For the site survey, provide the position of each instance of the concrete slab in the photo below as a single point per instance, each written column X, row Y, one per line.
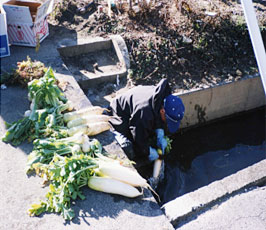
column 94, row 61
column 245, row 210
column 183, row 207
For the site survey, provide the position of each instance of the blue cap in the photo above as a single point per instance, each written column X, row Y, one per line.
column 174, row 112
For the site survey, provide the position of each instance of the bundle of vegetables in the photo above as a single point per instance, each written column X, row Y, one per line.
column 18, row 131
column 67, row 175
column 27, row 71
column 48, row 122
column 89, row 121
column 45, row 116
column 45, row 149
column 44, row 92
column 73, row 162
column 124, row 179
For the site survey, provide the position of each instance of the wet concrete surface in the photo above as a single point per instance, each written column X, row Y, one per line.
column 205, row 154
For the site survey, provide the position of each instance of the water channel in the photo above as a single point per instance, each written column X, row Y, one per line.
column 208, row 153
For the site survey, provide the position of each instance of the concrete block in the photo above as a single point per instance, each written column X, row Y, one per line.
column 96, row 60
column 220, row 101
column 191, row 203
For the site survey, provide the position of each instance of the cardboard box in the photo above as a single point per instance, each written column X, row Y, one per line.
column 27, row 21
column 4, row 47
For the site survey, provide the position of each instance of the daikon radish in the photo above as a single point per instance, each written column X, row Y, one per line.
column 87, row 120
column 83, row 129
column 70, row 106
column 27, row 113
column 157, row 164
column 98, row 127
column 109, row 185
column 125, row 175
column 86, row 146
column 122, row 173
column 78, row 138
column 83, row 112
column 90, row 129
column 157, row 168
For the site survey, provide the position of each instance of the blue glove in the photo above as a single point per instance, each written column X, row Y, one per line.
column 161, row 141
column 153, row 154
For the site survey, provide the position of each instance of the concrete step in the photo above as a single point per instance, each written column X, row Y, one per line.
column 191, row 204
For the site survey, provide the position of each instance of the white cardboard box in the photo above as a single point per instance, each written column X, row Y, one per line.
column 27, row 21
column 4, row 47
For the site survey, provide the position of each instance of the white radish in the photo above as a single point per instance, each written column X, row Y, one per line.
column 125, row 175
column 75, row 149
column 122, row 173
column 87, row 120
column 86, row 146
column 98, row 127
column 27, row 113
column 76, row 138
column 157, row 168
column 70, row 105
column 83, row 129
column 86, row 111
column 109, row 185
column 29, row 97
column 32, row 104
column 90, row 129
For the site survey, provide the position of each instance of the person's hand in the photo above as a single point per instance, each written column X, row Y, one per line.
column 162, row 144
column 153, row 154
column 161, row 141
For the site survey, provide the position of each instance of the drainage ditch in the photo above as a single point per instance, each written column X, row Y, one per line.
column 199, row 155
column 208, row 153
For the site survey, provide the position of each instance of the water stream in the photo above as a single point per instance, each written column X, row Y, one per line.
column 205, row 154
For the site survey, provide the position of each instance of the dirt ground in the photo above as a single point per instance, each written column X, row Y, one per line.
column 195, row 44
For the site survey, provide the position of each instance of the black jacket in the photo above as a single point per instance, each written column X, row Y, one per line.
column 136, row 114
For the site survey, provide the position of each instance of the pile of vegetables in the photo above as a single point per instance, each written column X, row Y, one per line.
column 89, row 121
column 67, row 175
column 64, row 153
column 47, row 105
column 27, row 71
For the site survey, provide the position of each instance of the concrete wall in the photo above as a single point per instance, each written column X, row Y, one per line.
column 224, row 100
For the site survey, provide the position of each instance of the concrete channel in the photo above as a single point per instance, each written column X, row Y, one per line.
column 221, row 101
column 103, row 211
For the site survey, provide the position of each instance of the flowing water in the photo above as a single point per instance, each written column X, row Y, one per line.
column 205, row 154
